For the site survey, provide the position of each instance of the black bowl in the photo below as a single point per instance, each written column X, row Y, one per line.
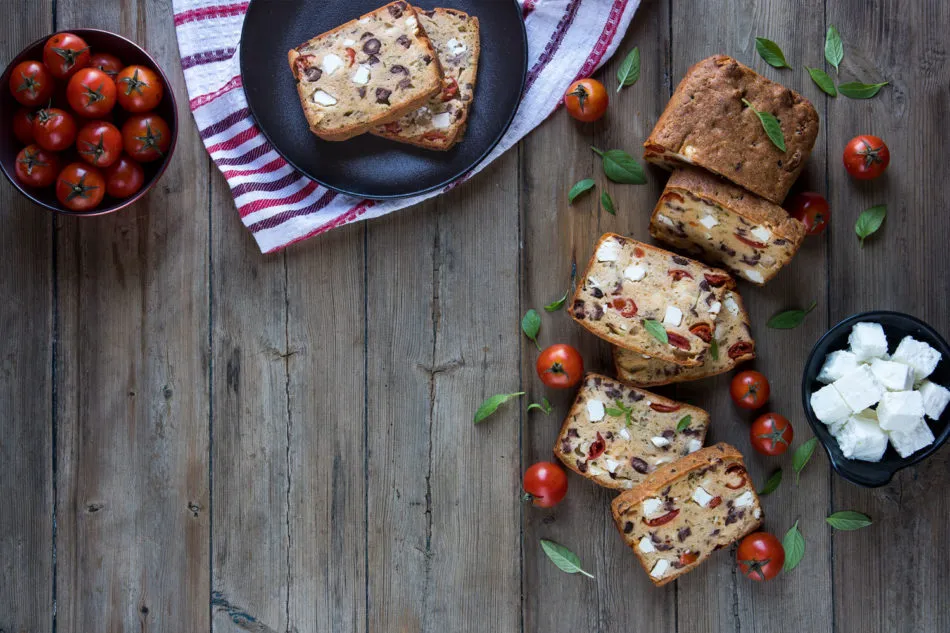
column 896, row 326
column 99, row 41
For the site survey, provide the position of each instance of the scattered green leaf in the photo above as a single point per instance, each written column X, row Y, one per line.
column 607, row 202
column 714, row 349
column 790, row 319
column 858, row 90
column 794, row 545
column 870, row 221
column 621, row 410
column 545, row 406
column 802, row 454
column 531, row 325
column 566, row 560
column 771, row 126
column 772, row 484
column 823, row 81
column 629, row 71
column 656, row 330
column 490, row 405
column 684, row 423
column 557, row 304
column 848, row 520
column 834, row 49
column 771, row 53
column 621, row 167
column 581, row 187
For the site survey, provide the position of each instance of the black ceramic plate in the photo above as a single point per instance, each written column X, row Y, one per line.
column 369, row 166
column 896, row 326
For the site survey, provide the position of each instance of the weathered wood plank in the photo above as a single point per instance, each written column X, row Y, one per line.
column 132, row 379
column 897, row 561
column 26, row 387
column 442, row 334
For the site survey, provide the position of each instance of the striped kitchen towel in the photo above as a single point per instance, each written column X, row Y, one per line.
column 567, row 39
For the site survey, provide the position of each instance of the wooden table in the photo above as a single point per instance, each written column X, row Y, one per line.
column 194, row 436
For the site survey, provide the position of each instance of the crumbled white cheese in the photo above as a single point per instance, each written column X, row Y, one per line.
column 646, row 545
column 762, row 233
column 673, row 317
column 361, row 76
column 753, row 275
column 635, row 272
column 708, row 221
column 757, row 513
column 665, row 220
column 624, row 433
column 689, row 152
column 442, row 120
column 595, row 410
column 693, row 445
column 411, row 22
column 611, row 464
column 715, row 307
column 331, row 63
column 323, row 98
column 701, row 496
column 731, row 305
column 745, row 499
column 609, row 251
column 652, row 506
column 659, row 441
column 456, row 47
column 349, row 42
column 660, row 568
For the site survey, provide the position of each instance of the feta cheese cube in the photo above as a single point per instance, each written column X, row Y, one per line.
column 674, row 316
column 646, row 545
column 652, row 506
column 701, row 496
column 715, row 307
column 867, row 341
column 635, row 272
column 908, row 442
column 861, row 438
column 859, row 389
column 918, row 355
column 321, row 97
column 660, row 441
column 753, row 275
column 731, row 305
column 693, row 445
column 624, row 433
column 761, row 233
column 708, row 221
column 745, row 499
column 837, row 364
column 660, row 568
column 828, row 405
column 611, row 464
column 361, row 76
column 608, row 251
column 595, row 410
column 443, row 120
column 936, row 399
column 893, row 376
column 900, row 410
column 331, row 63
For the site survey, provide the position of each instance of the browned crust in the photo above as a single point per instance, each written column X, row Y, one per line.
column 349, row 131
column 665, row 476
column 701, row 414
column 621, row 342
column 459, row 127
column 724, row 82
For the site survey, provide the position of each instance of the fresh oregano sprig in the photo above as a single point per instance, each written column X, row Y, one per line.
column 621, row 410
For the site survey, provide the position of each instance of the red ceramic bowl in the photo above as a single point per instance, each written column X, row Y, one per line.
column 99, row 41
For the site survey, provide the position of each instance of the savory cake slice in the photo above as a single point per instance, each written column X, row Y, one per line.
column 367, row 72
column 441, row 122
column 615, row 434
column 707, row 124
column 648, row 300
column 731, row 345
column 723, row 224
column 686, row 510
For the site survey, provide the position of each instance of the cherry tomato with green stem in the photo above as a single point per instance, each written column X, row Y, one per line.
column 560, row 366
column 32, row 84
column 760, row 556
column 54, row 129
column 749, row 389
column 586, row 100
column 64, row 54
column 139, row 89
column 866, row 157
column 771, row 434
column 146, row 137
column 811, row 209
column 545, row 484
column 36, row 167
column 80, row 187
column 91, row 93
column 99, row 143
column 109, row 64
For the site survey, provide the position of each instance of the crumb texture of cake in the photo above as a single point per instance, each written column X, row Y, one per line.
column 635, row 295
column 722, row 224
column 615, row 434
column 707, row 124
column 441, row 122
column 365, row 73
column 686, row 510
column 733, row 345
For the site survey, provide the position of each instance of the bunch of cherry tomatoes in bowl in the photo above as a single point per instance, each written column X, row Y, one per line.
column 90, row 122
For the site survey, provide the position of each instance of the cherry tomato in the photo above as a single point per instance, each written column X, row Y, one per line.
column 545, row 484
column 23, row 126
column 146, row 137
column 54, row 129
column 80, row 187
column 811, row 209
column 749, row 389
column 91, row 93
column 99, row 143
column 560, row 366
column 760, row 556
column 31, row 83
column 124, row 178
column 109, row 64
column 35, row 167
column 139, row 89
column 771, row 434
column 64, row 54
column 586, row 100
column 866, row 157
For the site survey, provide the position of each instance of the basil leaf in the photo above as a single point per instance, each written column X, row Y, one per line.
column 870, row 221
column 629, row 71
column 656, row 330
column 607, row 202
column 772, row 484
column 858, row 90
column 790, row 319
column 581, row 187
column 557, row 304
column 545, row 406
column 771, row 126
column 834, row 49
column 565, row 559
column 490, row 405
column 714, row 349
column 614, row 413
column 531, row 325
column 823, row 81
column 848, row 520
column 794, row 545
column 621, row 167
column 771, row 53
column 684, row 423
column 802, row 454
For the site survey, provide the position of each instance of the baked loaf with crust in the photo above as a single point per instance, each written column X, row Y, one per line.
column 706, row 124
column 723, row 224
column 441, row 122
column 630, row 287
column 733, row 345
column 367, row 72
column 615, row 434
column 686, row 510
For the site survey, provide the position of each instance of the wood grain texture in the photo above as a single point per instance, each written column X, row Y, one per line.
column 26, row 388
